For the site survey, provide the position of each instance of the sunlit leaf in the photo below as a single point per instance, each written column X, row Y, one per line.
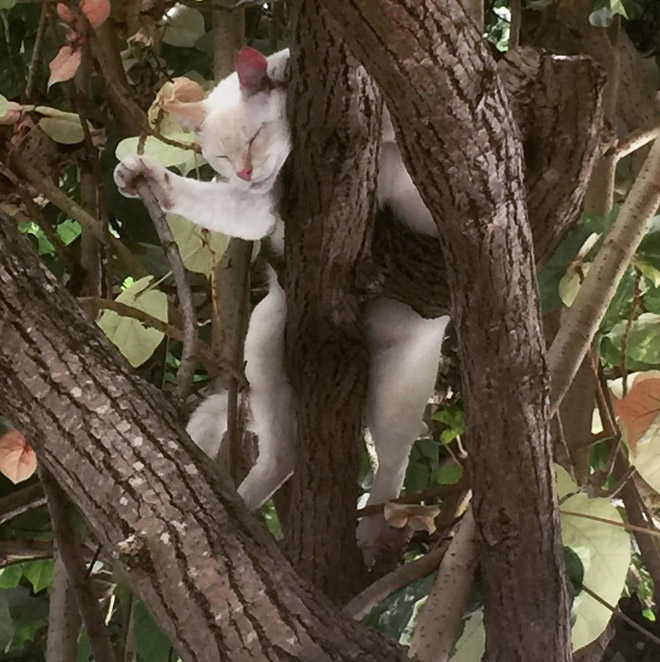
column 17, row 459
column 11, row 575
column 167, row 155
column 135, row 341
column 605, row 553
column 64, row 131
column 472, row 643
column 184, row 26
column 64, row 65
column 4, row 106
column 200, row 249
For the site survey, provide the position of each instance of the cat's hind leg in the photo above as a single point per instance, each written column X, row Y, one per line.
column 271, row 399
column 404, row 354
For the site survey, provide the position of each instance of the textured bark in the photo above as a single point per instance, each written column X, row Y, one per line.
column 562, row 138
column 329, row 203
column 462, row 147
column 215, row 580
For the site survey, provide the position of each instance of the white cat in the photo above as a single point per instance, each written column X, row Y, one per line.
column 244, row 134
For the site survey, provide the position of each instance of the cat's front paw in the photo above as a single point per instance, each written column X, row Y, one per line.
column 132, row 170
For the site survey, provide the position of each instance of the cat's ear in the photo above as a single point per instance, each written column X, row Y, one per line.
column 252, row 70
column 186, row 103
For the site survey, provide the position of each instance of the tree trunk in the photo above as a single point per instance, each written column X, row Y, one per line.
column 462, row 147
column 213, row 577
column 328, row 208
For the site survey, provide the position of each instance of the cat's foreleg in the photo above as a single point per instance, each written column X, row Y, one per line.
column 216, row 206
column 404, row 355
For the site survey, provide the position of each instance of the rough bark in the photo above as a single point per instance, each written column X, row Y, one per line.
column 329, row 203
column 215, row 580
column 462, row 148
column 562, row 138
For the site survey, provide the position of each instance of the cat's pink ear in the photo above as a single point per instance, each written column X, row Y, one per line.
column 252, row 70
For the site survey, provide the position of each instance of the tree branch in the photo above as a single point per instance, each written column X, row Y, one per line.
column 69, row 546
column 581, row 320
column 207, row 570
column 21, row 500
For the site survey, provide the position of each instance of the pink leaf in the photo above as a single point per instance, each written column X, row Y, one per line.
column 17, row 459
column 97, row 11
column 64, row 13
column 64, row 65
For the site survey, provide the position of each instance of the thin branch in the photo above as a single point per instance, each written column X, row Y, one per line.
column 46, row 187
column 436, row 628
column 18, row 502
column 582, row 319
column 70, row 547
column 438, row 492
column 635, row 140
column 364, row 602
column 637, row 300
column 186, row 370
column 516, row 21
column 37, row 54
column 63, row 617
column 16, row 551
column 93, row 304
column 622, row 525
column 619, row 614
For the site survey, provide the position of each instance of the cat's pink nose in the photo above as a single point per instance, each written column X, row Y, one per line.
column 245, row 174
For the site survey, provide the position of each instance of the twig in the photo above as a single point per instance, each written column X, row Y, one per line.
column 70, row 547
column 634, row 141
column 436, row 627
column 430, row 493
column 617, row 612
column 626, row 333
column 18, row 502
column 15, row 551
column 582, row 319
column 194, row 147
column 516, row 21
column 46, row 187
column 35, row 60
column 94, row 304
column 63, row 617
column 364, row 602
column 622, row 525
column 186, row 370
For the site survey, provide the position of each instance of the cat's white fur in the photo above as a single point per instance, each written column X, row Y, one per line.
column 404, row 347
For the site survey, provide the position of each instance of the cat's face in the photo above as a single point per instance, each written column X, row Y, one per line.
column 242, row 125
column 247, row 142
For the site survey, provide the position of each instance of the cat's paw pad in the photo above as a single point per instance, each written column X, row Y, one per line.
column 132, row 169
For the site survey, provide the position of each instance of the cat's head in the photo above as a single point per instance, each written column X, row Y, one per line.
column 242, row 125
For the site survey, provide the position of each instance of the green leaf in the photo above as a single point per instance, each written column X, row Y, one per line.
column 11, row 575
column 84, row 647
column 392, row 615
column 6, row 623
column 449, row 474
column 604, row 550
column 646, row 458
column 39, row 574
column 167, row 155
column 472, row 643
column 184, row 26
column 7, row 4
column 643, row 343
column 150, row 642
column 200, row 249
column 135, row 341
column 69, row 230
column 4, row 104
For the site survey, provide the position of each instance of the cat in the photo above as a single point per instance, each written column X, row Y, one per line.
column 244, row 134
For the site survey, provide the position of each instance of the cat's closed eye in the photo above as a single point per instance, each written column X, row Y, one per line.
column 222, row 156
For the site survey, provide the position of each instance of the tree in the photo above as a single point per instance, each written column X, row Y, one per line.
column 501, row 158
